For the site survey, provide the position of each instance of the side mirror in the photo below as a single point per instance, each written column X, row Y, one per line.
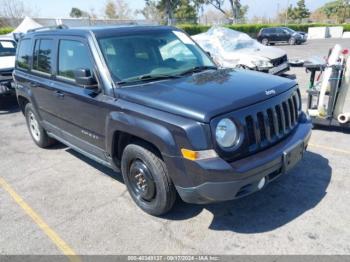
column 84, row 78
column 209, row 54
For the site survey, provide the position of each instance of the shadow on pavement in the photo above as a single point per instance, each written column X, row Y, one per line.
column 8, row 104
column 278, row 204
column 103, row 169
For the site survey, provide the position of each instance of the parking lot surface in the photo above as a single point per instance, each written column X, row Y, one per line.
column 87, row 209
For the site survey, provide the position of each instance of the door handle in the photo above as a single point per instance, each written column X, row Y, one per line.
column 33, row 84
column 58, row 94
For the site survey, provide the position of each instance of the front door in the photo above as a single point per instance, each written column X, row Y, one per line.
column 80, row 112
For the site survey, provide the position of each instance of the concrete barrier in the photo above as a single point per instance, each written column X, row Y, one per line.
column 346, row 35
column 318, row 32
column 336, row 31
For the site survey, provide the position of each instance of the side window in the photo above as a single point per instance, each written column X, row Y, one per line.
column 72, row 55
column 24, row 53
column 42, row 58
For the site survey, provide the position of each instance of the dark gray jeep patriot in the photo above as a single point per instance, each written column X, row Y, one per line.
column 149, row 102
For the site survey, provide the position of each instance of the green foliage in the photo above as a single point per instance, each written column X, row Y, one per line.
column 110, row 10
column 299, row 12
column 253, row 29
column 185, row 10
column 338, row 9
column 76, row 12
column 5, row 30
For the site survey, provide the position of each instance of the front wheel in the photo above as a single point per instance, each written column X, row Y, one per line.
column 146, row 177
column 292, row 41
column 265, row 41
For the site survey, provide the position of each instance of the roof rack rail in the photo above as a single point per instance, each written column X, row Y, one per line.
column 47, row 28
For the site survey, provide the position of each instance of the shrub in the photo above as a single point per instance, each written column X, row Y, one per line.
column 5, row 30
column 253, row 29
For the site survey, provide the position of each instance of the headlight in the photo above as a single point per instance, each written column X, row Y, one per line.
column 226, row 133
column 262, row 64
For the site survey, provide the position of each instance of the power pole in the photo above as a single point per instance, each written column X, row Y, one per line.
column 286, row 22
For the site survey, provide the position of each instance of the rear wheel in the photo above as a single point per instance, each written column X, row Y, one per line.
column 146, row 177
column 36, row 131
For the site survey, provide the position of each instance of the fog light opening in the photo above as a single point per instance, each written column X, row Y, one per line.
column 262, row 183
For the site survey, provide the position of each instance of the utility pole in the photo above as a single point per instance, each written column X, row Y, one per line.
column 286, row 22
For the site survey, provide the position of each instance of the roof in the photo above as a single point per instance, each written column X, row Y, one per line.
column 101, row 31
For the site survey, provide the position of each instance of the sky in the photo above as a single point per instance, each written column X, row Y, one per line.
column 61, row 8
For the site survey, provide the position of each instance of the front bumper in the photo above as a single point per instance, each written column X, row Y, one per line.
column 222, row 181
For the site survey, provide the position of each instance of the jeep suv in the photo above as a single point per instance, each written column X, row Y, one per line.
column 274, row 35
column 166, row 118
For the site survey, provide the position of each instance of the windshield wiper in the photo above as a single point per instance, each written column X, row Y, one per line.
column 146, row 78
column 197, row 69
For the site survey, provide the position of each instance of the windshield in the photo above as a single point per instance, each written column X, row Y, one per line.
column 288, row 30
column 168, row 53
column 7, row 48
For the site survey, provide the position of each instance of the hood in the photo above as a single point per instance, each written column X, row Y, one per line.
column 7, row 62
column 229, row 47
column 208, row 94
column 264, row 52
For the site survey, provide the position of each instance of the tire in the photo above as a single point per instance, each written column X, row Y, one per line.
column 37, row 132
column 265, row 41
column 147, row 180
column 292, row 41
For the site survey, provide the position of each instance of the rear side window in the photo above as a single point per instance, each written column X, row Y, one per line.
column 72, row 55
column 42, row 58
column 24, row 53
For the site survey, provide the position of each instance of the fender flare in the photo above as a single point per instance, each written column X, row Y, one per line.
column 150, row 131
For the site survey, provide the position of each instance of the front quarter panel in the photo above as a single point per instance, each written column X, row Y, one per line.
column 168, row 132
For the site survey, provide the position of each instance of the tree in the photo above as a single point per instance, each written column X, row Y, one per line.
column 76, row 12
column 151, row 12
column 110, row 10
column 117, row 9
column 338, row 10
column 186, row 11
column 168, row 8
column 14, row 9
column 301, row 11
column 236, row 13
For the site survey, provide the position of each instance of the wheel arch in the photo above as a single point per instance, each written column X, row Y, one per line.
column 123, row 129
column 22, row 102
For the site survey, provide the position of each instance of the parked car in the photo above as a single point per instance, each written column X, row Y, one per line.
column 230, row 49
column 273, row 35
column 7, row 64
column 171, row 122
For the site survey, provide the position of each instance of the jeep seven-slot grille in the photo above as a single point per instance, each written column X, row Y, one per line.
column 266, row 127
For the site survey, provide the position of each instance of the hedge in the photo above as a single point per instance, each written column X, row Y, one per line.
column 5, row 30
column 253, row 29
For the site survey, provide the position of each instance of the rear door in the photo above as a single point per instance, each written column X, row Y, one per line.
column 283, row 35
column 271, row 34
column 41, row 79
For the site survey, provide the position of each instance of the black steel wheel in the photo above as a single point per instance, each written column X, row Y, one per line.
column 141, row 181
column 147, row 180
